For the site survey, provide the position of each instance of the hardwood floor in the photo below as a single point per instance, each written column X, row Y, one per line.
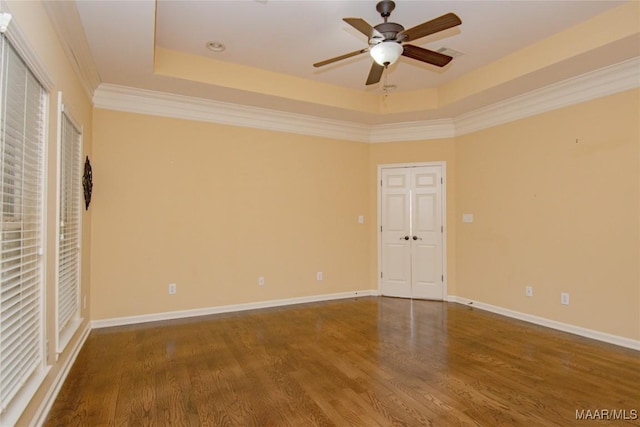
column 361, row 362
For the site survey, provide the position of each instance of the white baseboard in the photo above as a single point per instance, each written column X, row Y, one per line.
column 46, row 404
column 565, row 327
column 130, row 320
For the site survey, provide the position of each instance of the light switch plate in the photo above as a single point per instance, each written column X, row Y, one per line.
column 467, row 217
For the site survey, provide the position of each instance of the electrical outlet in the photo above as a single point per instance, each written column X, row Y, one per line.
column 528, row 291
column 319, row 276
column 564, row 298
column 260, row 281
column 172, row 288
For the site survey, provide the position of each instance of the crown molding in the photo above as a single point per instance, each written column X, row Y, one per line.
column 595, row 84
column 122, row 98
column 66, row 23
column 143, row 101
column 605, row 81
column 413, row 131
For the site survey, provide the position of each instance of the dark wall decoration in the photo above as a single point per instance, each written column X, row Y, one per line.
column 87, row 183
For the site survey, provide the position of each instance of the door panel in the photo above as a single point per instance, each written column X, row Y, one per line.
column 427, row 228
column 425, row 178
column 425, row 218
column 396, row 212
column 424, row 272
column 396, row 269
column 396, row 264
column 427, row 283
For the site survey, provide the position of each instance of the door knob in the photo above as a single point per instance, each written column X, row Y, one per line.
column 417, row 238
column 404, row 238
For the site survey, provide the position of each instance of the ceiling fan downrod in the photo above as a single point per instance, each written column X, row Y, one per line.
column 384, row 8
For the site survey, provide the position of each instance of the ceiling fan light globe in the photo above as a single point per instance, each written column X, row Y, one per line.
column 386, row 53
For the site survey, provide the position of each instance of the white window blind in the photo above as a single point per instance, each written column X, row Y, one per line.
column 22, row 121
column 68, row 292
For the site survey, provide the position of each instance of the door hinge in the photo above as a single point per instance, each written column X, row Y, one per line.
column 381, row 274
column 442, row 277
column 380, row 183
column 442, row 228
column 441, row 180
column 381, row 229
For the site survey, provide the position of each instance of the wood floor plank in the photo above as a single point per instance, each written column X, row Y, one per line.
column 359, row 362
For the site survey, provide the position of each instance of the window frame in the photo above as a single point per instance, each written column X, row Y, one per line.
column 15, row 37
column 64, row 333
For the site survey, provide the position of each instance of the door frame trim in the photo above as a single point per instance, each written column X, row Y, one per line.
column 443, row 165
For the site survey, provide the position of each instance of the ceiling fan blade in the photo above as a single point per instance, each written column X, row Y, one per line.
column 362, row 26
column 339, row 58
column 375, row 73
column 436, row 25
column 426, row 55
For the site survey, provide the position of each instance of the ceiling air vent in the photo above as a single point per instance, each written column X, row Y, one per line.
column 452, row 53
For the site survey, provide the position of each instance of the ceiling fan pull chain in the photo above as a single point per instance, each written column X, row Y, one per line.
column 385, row 85
column 385, row 89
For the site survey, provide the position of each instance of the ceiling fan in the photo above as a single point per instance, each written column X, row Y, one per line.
column 386, row 41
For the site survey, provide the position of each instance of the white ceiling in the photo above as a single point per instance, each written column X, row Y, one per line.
column 289, row 36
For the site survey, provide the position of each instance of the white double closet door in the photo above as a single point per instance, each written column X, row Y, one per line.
column 412, row 232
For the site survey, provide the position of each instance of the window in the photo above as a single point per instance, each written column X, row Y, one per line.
column 69, row 232
column 23, row 103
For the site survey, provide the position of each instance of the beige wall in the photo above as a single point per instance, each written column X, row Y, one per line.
column 549, row 212
column 555, row 205
column 33, row 22
column 213, row 207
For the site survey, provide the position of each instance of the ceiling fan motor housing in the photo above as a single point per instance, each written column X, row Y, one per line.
column 389, row 30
